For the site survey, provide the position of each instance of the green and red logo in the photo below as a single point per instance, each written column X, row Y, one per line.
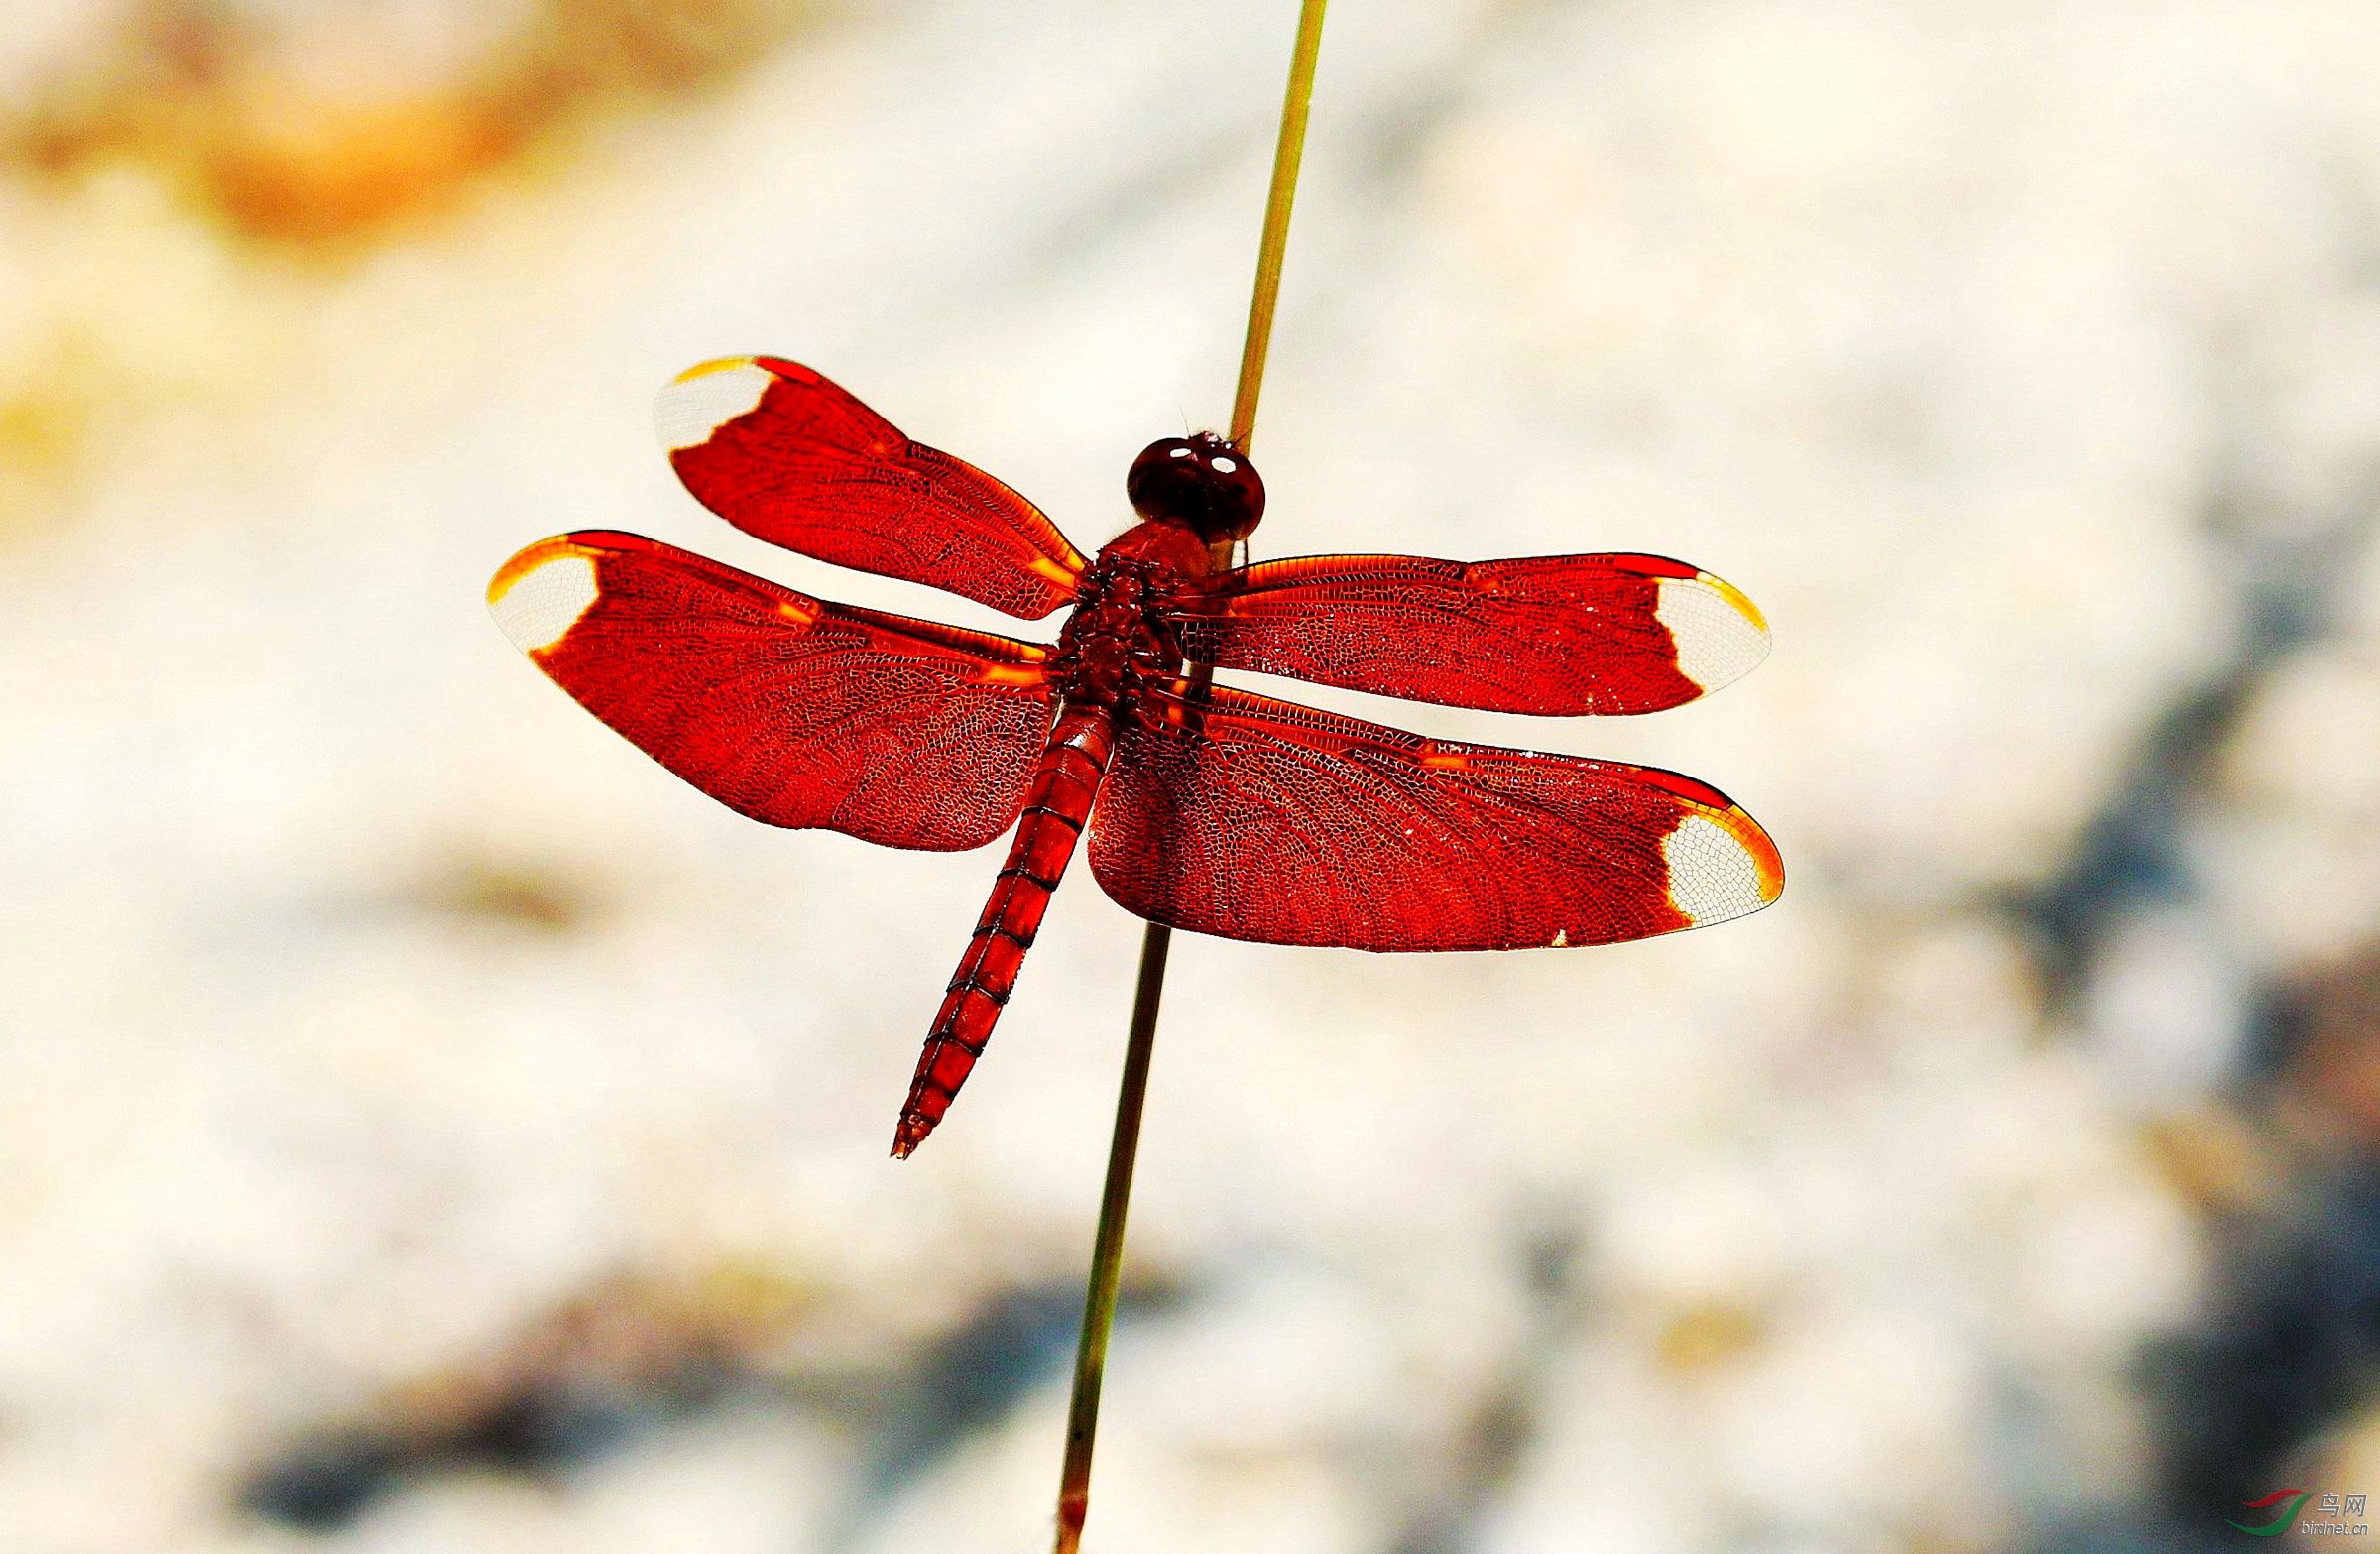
column 2279, row 1524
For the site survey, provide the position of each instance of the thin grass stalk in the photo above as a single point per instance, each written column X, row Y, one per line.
column 1124, row 1147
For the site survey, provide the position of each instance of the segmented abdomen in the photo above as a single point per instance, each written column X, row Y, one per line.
column 1056, row 808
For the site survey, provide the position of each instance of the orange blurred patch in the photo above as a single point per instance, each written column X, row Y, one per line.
column 325, row 169
column 1708, row 1337
column 49, row 417
column 242, row 117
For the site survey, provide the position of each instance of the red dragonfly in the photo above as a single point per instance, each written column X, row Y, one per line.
column 1208, row 808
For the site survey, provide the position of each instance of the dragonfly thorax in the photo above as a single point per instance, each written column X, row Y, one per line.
column 1115, row 641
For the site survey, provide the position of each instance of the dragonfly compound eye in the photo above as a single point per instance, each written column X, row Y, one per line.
column 1201, row 483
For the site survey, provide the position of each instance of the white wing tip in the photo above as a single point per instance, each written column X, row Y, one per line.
column 703, row 399
column 1718, row 633
column 540, row 594
column 1720, row 868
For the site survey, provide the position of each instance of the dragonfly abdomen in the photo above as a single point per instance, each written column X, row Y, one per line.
column 1057, row 806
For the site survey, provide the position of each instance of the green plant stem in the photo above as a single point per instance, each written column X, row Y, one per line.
column 1123, row 1148
column 1287, row 152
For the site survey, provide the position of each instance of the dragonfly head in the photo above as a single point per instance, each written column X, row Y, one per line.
column 1200, row 483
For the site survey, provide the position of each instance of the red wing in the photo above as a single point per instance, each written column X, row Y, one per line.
column 1559, row 635
column 1259, row 819
column 790, row 710
column 780, row 452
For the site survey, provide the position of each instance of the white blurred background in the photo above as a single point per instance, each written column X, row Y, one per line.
column 426, row 1126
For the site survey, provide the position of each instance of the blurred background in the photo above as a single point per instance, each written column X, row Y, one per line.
column 426, row 1126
